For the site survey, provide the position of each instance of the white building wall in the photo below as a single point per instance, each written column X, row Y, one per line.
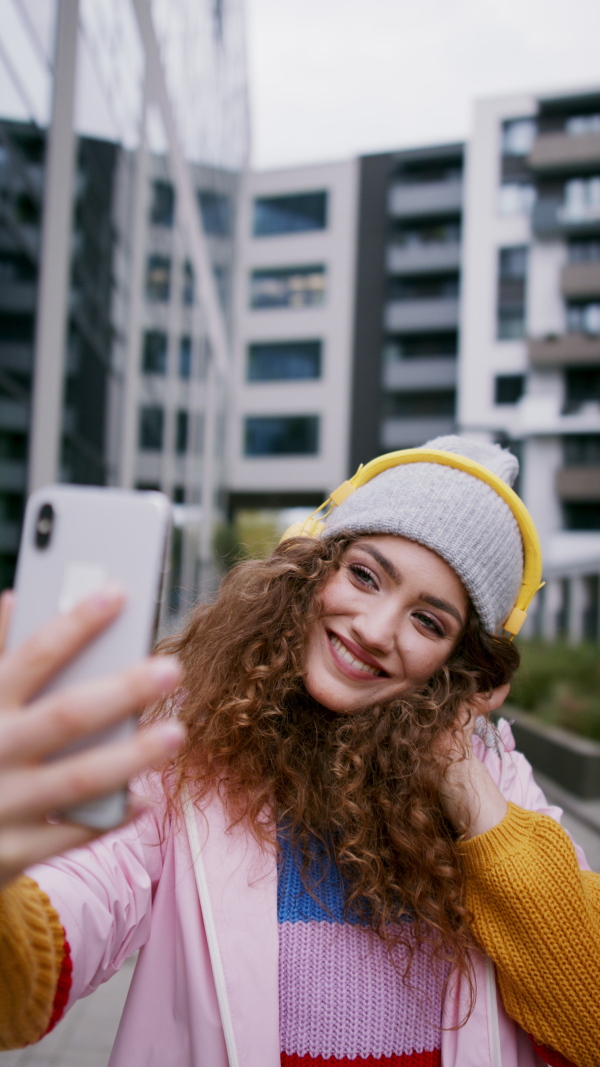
column 329, row 396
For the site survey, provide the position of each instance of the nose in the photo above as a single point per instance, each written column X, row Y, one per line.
column 376, row 626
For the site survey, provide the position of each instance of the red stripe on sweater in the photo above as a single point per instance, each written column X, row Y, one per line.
column 63, row 987
column 549, row 1056
column 409, row 1059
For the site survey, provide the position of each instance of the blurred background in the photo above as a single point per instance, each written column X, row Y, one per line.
column 246, row 245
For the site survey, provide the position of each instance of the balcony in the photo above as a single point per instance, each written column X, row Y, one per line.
column 427, row 198
column 412, row 432
column 421, row 315
column 551, row 218
column 578, row 483
column 565, row 153
column 424, row 373
column 576, row 349
column 580, row 280
column 417, row 259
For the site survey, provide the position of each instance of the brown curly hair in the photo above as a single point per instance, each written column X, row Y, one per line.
column 367, row 784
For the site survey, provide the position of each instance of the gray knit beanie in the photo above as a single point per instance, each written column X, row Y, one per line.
column 454, row 513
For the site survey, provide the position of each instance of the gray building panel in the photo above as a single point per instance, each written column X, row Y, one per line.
column 419, row 374
column 421, row 315
column 409, row 433
column 435, row 198
column 417, row 259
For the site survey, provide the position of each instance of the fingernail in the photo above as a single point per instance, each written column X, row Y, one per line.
column 108, row 597
column 172, row 735
column 166, row 671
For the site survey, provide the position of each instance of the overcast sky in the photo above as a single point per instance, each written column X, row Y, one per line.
column 334, row 78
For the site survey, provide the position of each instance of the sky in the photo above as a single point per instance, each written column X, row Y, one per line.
column 330, row 79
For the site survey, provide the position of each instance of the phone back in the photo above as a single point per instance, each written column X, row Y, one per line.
column 76, row 540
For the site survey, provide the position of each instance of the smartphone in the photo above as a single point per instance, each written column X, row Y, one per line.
column 75, row 540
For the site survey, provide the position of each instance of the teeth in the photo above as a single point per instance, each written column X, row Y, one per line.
column 358, row 664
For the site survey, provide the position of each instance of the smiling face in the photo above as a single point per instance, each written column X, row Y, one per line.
column 391, row 616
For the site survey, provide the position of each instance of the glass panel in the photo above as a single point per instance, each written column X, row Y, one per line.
column 420, row 404
column 582, row 450
column 293, row 287
column 583, row 515
column 162, row 210
column 185, row 357
column 424, row 287
column 434, row 231
column 284, row 435
column 518, row 136
column 584, row 318
column 509, row 388
column 581, row 199
column 215, row 212
column 289, row 214
column 284, row 360
column 181, row 432
column 516, row 198
column 421, row 346
column 187, row 293
column 152, row 422
column 158, row 279
column 578, row 125
column 154, row 360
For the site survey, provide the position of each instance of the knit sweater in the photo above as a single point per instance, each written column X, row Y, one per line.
column 536, row 914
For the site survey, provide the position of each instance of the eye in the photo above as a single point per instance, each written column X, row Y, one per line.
column 429, row 623
column 363, row 575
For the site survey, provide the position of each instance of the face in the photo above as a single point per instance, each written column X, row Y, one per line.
column 391, row 616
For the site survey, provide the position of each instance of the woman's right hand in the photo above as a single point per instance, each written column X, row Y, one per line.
column 32, row 730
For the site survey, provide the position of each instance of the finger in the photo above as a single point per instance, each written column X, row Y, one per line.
column 25, row 670
column 94, row 773
column 61, row 718
column 7, row 600
column 498, row 696
column 22, row 846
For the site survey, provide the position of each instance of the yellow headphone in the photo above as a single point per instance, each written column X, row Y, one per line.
column 314, row 526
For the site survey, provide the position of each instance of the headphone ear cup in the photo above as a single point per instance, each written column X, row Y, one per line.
column 309, row 528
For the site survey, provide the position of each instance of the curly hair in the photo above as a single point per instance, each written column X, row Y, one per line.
column 365, row 785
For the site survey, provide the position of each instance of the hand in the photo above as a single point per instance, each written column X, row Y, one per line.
column 471, row 798
column 32, row 730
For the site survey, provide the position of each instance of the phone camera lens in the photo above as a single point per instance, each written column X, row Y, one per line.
column 43, row 526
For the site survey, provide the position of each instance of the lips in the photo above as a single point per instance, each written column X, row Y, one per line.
column 353, row 660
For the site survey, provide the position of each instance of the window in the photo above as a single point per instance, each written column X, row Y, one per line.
column 179, row 494
column 516, row 198
column 16, row 267
column 297, row 213
column 582, row 385
column 162, row 209
column 431, row 231
column 185, row 357
column 158, row 279
column 152, row 422
column 423, row 287
column 581, row 450
column 584, row 250
column 418, row 405
column 584, row 317
column 281, row 435
column 428, row 171
column 582, row 515
column 421, row 346
column 581, row 199
column 154, row 358
column 512, row 273
column 292, row 287
column 13, row 445
column 274, row 361
column 579, row 125
column 148, row 487
column 509, row 388
column 181, row 432
column 11, row 507
column 187, row 294
column 518, row 136
column 16, row 326
column 215, row 212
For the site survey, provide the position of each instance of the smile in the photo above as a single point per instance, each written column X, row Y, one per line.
column 355, row 663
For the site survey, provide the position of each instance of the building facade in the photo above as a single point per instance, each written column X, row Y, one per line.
column 530, row 327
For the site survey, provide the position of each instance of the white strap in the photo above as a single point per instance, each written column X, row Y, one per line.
column 491, row 996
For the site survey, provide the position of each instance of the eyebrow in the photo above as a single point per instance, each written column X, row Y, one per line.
column 389, row 568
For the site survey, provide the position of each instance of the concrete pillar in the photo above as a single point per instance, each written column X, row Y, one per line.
column 55, row 260
column 578, row 604
column 551, row 606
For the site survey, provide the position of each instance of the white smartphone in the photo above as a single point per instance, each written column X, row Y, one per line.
column 75, row 540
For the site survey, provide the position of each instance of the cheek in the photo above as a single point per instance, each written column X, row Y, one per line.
column 423, row 657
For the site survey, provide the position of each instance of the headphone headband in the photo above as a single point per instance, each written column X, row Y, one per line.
column 314, row 526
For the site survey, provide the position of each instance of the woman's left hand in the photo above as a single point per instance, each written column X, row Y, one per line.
column 469, row 795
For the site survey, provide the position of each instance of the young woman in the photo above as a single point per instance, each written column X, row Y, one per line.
column 345, row 864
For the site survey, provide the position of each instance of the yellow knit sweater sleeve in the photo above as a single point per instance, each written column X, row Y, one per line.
column 31, row 954
column 537, row 915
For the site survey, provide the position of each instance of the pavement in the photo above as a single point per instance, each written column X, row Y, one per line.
column 85, row 1037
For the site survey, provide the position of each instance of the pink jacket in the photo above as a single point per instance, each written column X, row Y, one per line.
column 201, row 906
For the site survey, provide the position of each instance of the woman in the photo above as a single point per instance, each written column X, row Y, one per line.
column 344, row 856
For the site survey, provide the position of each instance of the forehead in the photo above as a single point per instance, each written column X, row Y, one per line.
column 414, row 562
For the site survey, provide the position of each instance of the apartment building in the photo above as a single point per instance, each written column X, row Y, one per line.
column 406, row 305
column 530, row 327
column 290, row 403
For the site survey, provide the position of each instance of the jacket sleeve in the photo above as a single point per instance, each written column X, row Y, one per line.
column 537, row 915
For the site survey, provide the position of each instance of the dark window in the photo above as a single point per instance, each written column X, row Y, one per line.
column 284, row 360
column 185, row 357
column 424, row 287
column 148, row 487
column 582, row 450
column 181, row 432
column 187, row 294
column 158, row 279
column 584, row 250
column 16, row 326
column 154, row 360
column 584, row 317
column 215, row 212
column 582, row 515
column 13, row 445
column 12, row 506
column 281, row 435
column 426, row 172
column 421, row 345
column 152, row 424
column 179, row 494
column 419, row 405
column 292, row 287
column 16, row 267
column 512, row 274
column 426, row 232
column 518, row 136
column 162, row 210
column 582, row 384
column 509, row 388
column 289, row 214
